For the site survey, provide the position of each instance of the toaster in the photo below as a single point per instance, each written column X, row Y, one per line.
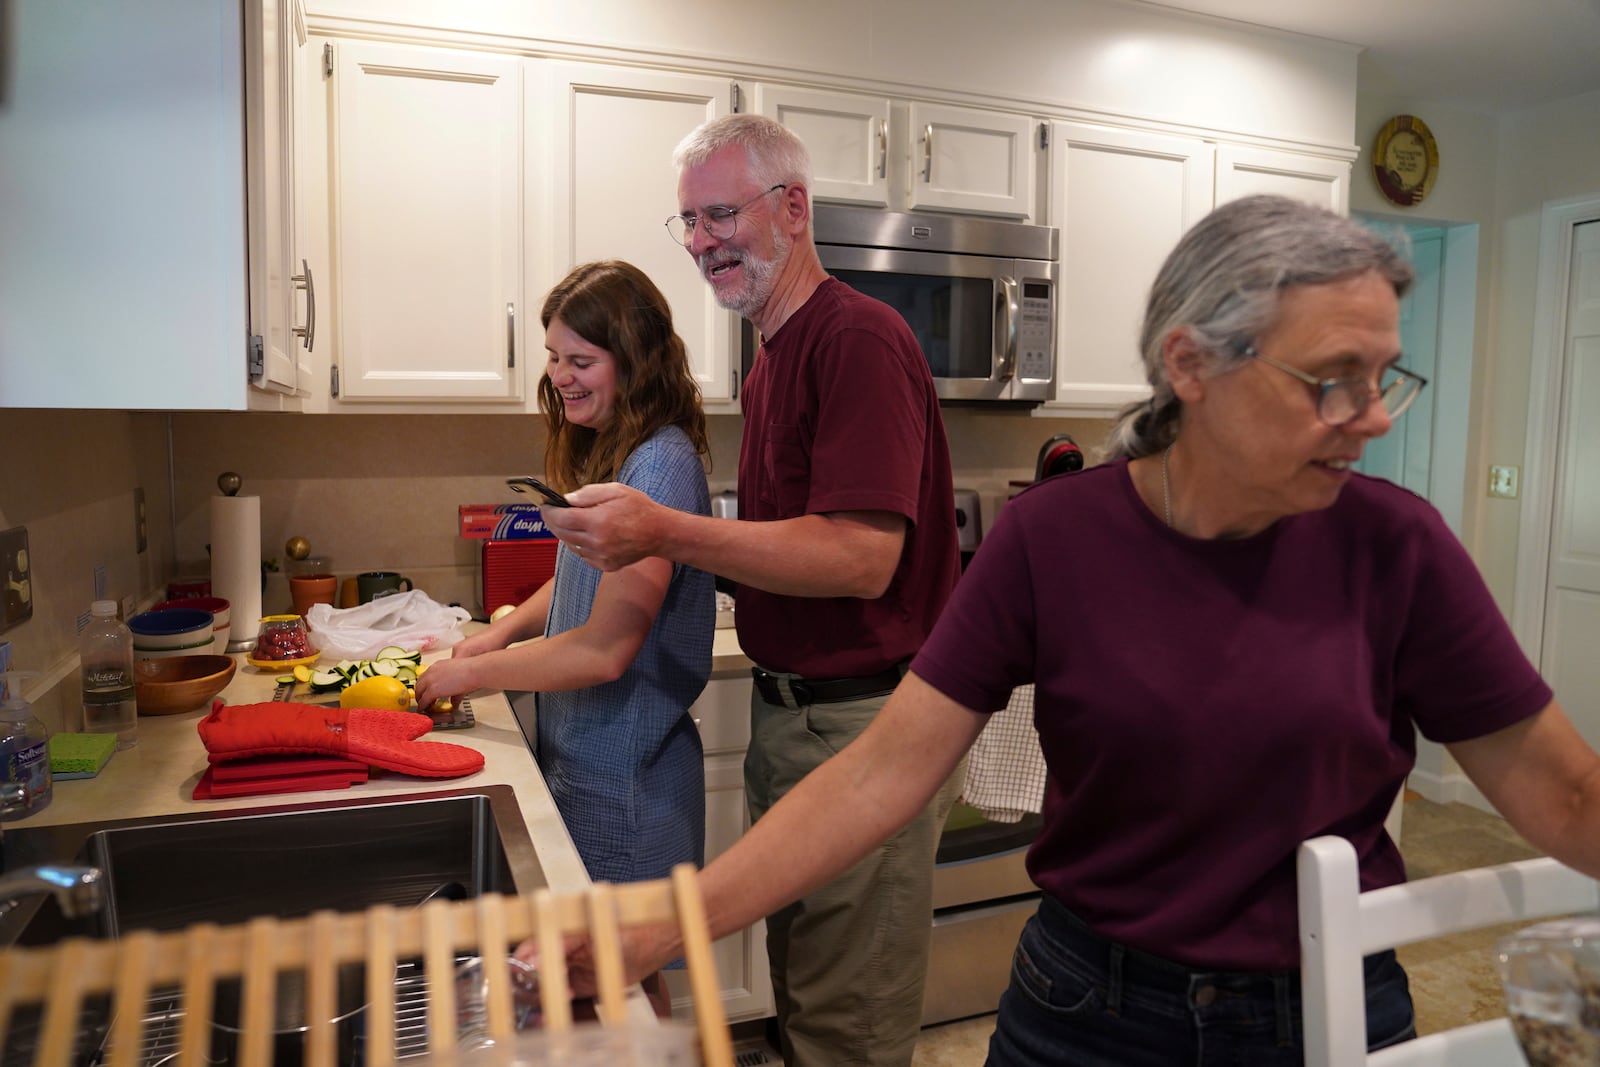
column 511, row 571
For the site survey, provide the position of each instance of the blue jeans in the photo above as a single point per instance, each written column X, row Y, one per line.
column 1077, row 999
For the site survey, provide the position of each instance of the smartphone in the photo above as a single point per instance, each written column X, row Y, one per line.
column 546, row 494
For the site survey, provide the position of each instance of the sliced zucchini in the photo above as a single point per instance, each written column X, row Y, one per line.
column 406, row 673
column 285, row 679
column 345, row 666
column 385, row 667
column 391, row 652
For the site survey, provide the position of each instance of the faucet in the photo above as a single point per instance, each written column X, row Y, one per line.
column 78, row 890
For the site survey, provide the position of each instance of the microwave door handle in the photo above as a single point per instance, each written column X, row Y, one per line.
column 1006, row 316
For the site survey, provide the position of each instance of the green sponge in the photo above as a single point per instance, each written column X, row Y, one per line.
column 80, row 755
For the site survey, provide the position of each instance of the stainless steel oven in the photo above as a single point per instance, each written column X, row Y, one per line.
column 982, row 896
column 980, row 294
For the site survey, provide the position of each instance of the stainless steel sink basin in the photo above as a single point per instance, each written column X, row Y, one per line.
column 225, row 867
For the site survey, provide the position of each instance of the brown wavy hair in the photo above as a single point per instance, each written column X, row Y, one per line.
column 612, row 305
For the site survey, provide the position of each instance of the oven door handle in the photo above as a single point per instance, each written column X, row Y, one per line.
column 1006, row 320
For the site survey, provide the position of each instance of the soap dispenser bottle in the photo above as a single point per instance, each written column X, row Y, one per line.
column 24, row 749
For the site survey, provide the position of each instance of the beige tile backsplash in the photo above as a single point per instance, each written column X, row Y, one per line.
column 369, row 492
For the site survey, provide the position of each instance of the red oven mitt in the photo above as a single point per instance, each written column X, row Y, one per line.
column 381, row 738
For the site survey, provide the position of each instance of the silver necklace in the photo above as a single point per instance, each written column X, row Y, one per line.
column 1166, row 487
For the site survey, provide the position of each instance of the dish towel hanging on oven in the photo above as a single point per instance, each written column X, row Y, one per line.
column 1005, row 769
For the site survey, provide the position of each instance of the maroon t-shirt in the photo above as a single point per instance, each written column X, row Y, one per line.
column 1206, row 706
column 840, row 414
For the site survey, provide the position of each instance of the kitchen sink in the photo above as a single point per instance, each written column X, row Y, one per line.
column 164, row 873
column 226, row 867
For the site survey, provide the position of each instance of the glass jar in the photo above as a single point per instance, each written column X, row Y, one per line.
column 1552, row 979
column 283, row 638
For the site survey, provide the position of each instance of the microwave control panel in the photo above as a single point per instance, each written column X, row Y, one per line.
column 1033, row 335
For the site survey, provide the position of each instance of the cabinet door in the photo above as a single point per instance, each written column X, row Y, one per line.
column 614, row 134
column 1121, row 198
column 276, row 277
column 723, row 716
column 847, row 135
column 1244, row 171
column 427, row 217
column 963, row 159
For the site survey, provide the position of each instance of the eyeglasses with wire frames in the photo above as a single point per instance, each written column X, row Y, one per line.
column 719, row 222
column 1343, row 400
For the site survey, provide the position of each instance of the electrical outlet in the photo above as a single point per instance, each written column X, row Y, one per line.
column 1503, row 481
column 17, row 576
column 141, row 540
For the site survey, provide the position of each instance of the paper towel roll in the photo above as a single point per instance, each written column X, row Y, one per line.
column 236, row 564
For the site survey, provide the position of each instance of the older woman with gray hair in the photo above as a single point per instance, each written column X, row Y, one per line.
column 1233, row 638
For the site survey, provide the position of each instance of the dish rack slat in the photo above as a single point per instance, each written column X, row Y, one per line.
column 61, row 1018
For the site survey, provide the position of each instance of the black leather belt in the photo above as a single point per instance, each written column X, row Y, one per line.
column 825, row 690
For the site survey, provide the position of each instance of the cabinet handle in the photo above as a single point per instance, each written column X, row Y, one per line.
column 305, row 281
column 883, row 148
column 511, row 335
column 927, row 153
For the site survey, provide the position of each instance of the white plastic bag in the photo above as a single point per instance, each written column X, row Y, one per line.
column 413, row 621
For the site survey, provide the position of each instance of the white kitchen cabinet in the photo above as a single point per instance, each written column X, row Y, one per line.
column 723, row 716
column 426, row 216
column 909, row 155
column 1242, row 171
column 280, row 280
column 612, row 132
column 966, row 159
column 123, row 280
column 1121, row 199
column 847, row 135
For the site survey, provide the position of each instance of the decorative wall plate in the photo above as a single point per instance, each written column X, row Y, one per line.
column 1405, row 160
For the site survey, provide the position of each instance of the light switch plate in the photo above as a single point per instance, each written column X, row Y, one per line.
column 1503, row 481
column 16, row 577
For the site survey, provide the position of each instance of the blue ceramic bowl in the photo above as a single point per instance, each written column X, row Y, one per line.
column 171, row 628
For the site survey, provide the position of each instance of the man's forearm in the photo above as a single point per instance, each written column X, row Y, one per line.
column 849, row 555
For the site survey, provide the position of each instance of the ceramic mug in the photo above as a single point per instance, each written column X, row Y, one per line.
column 374, row 584
column 308, row 589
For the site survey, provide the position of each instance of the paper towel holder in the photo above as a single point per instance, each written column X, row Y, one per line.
column 229, row 483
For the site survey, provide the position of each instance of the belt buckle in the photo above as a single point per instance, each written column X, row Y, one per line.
column 802, row 692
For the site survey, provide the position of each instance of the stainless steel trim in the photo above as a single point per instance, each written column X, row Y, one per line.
column 981, row 879
column 971, row 235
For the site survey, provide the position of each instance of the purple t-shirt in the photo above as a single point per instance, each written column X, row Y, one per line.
column 840, row 414
column 1206, row 706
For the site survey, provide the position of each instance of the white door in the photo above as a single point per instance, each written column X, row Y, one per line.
column 1245, row 171
column 965, row 159
column 427, row 213
column 847, row 135
column 1404, row 454
column 1572, row 592
column 614, row 131
column 1122, row 199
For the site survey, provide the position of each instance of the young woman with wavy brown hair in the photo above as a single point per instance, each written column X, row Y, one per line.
column 624, row 653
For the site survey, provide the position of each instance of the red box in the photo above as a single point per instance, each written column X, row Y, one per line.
column 501, row 522
column 512, row 571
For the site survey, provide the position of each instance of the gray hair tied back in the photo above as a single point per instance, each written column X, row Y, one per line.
column 1223, row 282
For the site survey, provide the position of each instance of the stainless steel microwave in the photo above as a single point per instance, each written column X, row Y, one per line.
column 980, row 294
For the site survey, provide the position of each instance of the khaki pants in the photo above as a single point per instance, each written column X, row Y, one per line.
column 848, row 961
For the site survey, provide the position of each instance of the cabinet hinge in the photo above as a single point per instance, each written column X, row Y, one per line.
column 327, row 59
column 333, row 381
column 255, row 359
column 1044, row 135
column 733, row 96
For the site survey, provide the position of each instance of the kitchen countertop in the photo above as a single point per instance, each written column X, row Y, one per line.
column 158, row 775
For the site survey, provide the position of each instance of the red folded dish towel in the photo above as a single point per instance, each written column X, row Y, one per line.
column 381, row 738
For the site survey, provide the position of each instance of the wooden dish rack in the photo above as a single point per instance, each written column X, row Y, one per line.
column 62, row 977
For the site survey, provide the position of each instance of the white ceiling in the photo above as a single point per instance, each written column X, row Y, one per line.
column 1485, row 55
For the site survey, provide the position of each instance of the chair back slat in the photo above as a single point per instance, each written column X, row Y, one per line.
column 78, row 976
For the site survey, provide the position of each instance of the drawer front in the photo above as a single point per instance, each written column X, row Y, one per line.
column 723, row 715
column 969, row 964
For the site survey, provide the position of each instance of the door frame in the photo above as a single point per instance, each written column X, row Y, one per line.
column 1541, row 456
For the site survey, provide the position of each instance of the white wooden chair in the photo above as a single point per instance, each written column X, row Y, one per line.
column 1339, row 925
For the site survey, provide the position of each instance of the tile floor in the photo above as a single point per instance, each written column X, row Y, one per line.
column 1452, row 979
